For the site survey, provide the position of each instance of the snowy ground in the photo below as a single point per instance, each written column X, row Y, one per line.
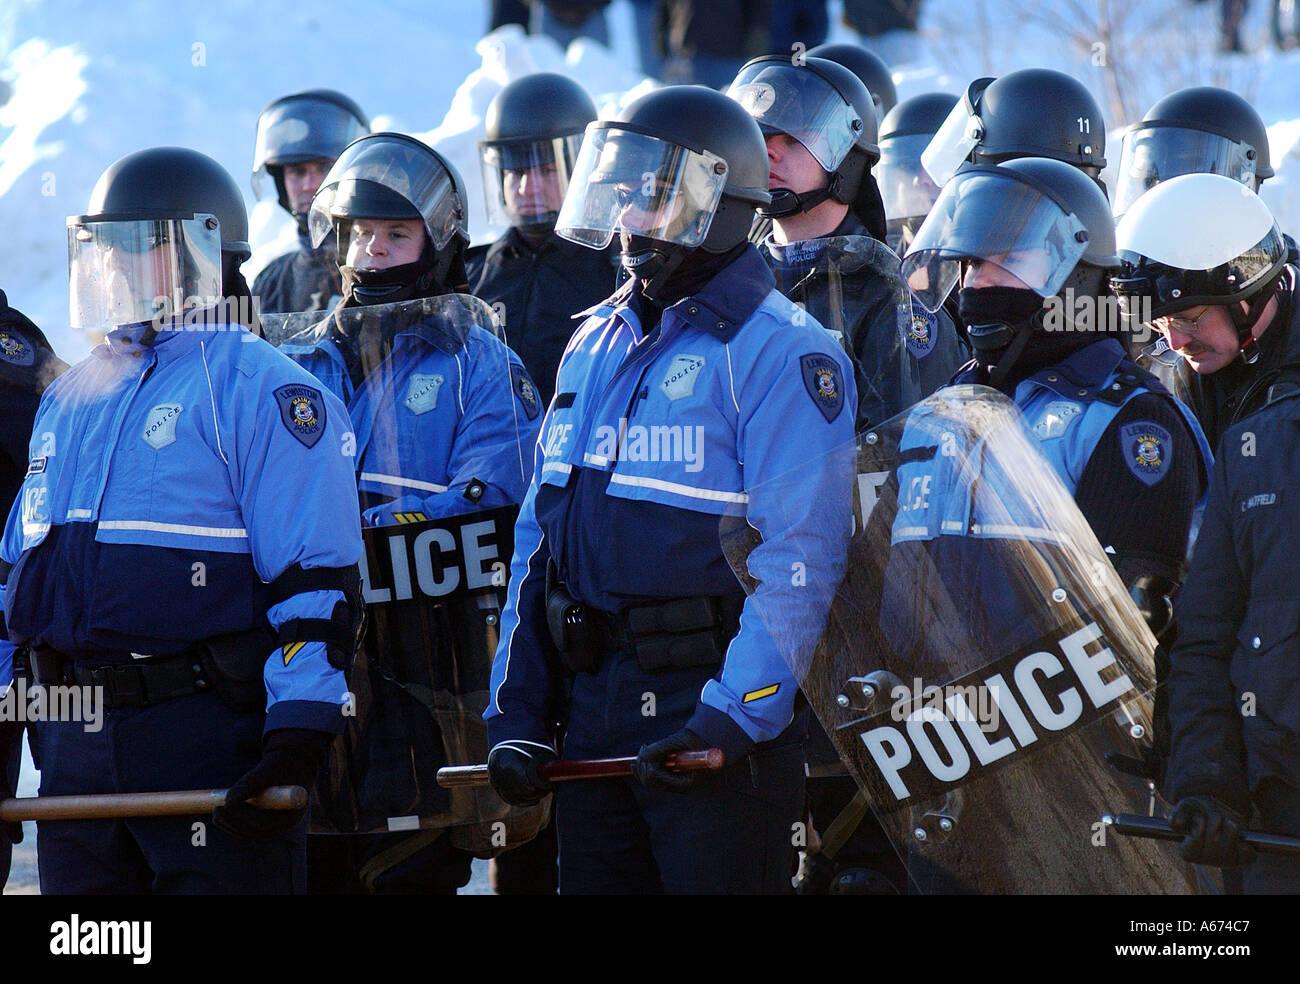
column 83, row 83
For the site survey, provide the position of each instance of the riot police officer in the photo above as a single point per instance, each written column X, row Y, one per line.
column 536, row 280
column 1207, row 266
column 298, row 138
column 624, row 621
column 1198, row 130
column 908, row 191
column 1033, row 112
column 27, row 366
column 212, row 606
column 1030, row 243
column 443, row 411
column 827, row 246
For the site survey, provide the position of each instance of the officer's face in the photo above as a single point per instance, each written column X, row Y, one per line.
column 301, row 182
column 983, row 273
column 1205, row 336
column 532, row 193
column 791, row 166
column 378, row 244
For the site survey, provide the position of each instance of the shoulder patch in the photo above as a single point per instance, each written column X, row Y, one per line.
column 16, row 349
column 682, row 373
column 823, row 380
column 918, row 328
column 1148, row 450
column 526, row 391
column 302, row 411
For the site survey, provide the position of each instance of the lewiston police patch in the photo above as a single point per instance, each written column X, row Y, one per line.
column 303, row 412
column 16, row 349
column 1148, row 450
column 918, row 328
column 526, row 391
column 160, row 425
column 821, row 376
column 422, row 393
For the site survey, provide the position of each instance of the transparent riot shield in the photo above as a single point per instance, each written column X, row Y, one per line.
column 851, row 285
column 979, row 660
column 444, row 418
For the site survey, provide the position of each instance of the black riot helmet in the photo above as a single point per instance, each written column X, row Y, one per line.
column 1042, row 221
column 534, row 128
column 868, row 67
column 1200, row 130
column 823, row 106
column 392, row 176
column 907, row 190
column 1034, row 112
column 679, row 169
column 303, row 126
column 164, row 227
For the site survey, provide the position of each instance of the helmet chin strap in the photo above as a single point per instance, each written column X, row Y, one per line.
column 998, row 346
column 786, row 202
column 1245, row 321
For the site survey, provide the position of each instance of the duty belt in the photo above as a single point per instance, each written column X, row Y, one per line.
column 145, row 681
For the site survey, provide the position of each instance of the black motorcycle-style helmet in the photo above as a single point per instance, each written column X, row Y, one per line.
column 395, row 176
column 823, row 106
column 165, row 228
column 868, row 67
column 534, row 126
column 1034, row 112
column 1201, row 130
column 681, row 168
column 304, row 126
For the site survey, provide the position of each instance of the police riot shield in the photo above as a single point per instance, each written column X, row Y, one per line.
column 850, row 284
column 444, row 418
column 979, row 660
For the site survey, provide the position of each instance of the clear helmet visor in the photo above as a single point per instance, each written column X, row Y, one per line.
column 906, row 187
column 993, row 218
column 799, row 102
column 1157, row 153
column 401, row 167
column 631, row 182
column 299, row 130
column 130, row 271
column 958, row 135
column 524, row 183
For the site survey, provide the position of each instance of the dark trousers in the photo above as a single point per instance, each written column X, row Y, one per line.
column 416, row 862
column 732, row 833
column 191, row 742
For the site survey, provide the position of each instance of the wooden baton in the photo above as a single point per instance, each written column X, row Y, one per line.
column 710, row 759
column 116, row 806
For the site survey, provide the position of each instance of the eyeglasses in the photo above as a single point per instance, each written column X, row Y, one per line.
column 647, row 200
column 1184, row 326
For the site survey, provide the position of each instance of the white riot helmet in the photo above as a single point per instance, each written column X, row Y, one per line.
column 1199, row 239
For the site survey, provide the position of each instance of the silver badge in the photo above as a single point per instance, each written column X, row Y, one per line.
column 1056, row 418
column 682, row 373
column 422, row 394
column 160, row 425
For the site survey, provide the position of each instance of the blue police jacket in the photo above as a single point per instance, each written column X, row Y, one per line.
column 444, row 425
column 169, row 486
column 651, row 439
column 1067, row 408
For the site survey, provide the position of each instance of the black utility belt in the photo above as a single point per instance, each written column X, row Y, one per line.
column 230, row 666
column 673, row 634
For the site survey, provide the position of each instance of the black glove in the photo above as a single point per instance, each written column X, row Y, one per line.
column 513, row 771
column 652, row 772
column 1211, row 833
column 290, row 757
column 11, row 740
